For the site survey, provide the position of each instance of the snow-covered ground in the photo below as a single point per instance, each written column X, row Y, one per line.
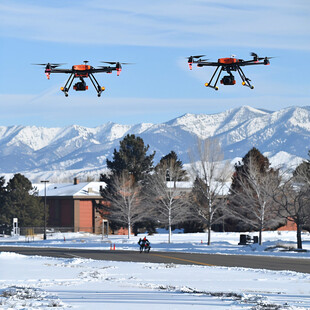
column 41, row 283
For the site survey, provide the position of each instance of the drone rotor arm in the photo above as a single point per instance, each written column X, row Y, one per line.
column 61, row 70
column 250, row 63
column 207, row 64
column 103, row 69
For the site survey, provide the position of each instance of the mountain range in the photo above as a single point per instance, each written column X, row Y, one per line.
column 39, row 152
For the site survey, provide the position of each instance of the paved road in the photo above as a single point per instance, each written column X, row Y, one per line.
column 247, row 261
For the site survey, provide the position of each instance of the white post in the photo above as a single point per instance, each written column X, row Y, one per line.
column 15, row 231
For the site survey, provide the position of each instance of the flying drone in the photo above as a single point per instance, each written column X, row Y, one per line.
column 228, row 65
column 82, row 72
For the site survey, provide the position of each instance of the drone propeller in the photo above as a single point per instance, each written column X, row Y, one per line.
column 48, row 68
column 197, row 56
column 117, row 64
column 256, row 58
column 50, row 65
column 192, row 58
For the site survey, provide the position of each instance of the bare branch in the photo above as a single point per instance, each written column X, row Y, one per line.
column 169, row 202
column 125, row 203
column 254, row 183
column 210, row 186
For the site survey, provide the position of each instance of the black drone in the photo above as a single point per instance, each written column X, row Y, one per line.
column 228, row 64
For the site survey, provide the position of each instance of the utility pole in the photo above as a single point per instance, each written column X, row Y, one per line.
column 44, row 235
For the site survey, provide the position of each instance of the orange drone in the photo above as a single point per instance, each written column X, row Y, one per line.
column 82, row 72
column 228, row 64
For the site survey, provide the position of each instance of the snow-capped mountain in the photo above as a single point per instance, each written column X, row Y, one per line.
column 60, row 152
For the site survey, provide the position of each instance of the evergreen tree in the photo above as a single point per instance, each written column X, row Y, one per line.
column 254, row 156
column 20, row 203
column 132, row 157
column 4, row 214
column 129, row 167
column 172, row 166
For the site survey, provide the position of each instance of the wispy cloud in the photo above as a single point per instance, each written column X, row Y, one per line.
column 160, row 86
column 275, row 24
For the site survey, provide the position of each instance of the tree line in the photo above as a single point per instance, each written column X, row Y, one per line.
column 250, row 197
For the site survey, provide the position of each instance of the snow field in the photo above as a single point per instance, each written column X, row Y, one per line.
column 44, row 283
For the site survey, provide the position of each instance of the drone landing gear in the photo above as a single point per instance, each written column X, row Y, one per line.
column 245, row 80
column 81, row 86
column 228, row 79
column 98, row 88
column 218, row 76
column 66, row 88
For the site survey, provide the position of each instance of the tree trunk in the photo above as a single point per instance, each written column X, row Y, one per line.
column 209, row 222
column 260, row 236
column 129, row 230
column 169, row 224
column 299, row 242
column 209, row 234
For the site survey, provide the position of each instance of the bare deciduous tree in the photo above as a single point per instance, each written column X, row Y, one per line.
column 166, row 199
column 124, row 198
column 251, row 199
column 302, row 172
column 293, row 197
column 211, row 175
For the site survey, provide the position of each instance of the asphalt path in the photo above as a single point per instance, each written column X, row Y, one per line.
column 247, row 261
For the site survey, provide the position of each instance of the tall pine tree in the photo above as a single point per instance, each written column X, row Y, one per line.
column 254, row 156
column 130, row 166
column 4, row 214
column 19, row 202
column 172, row 166
column 132, row 157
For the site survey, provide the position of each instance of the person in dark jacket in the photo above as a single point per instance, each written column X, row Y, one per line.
column 145, row 245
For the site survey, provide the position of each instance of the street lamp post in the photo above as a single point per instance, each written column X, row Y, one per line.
column 44, row 235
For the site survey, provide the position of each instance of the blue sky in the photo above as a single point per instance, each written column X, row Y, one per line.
column 156, row 36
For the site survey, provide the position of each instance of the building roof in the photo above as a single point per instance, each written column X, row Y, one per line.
column 82, row 189
column 92, row 189
column 188, row 185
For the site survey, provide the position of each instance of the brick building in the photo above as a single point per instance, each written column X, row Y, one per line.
column 72, row 206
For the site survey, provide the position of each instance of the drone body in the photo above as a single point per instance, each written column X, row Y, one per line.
column 228, row 65
column 82, row 72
